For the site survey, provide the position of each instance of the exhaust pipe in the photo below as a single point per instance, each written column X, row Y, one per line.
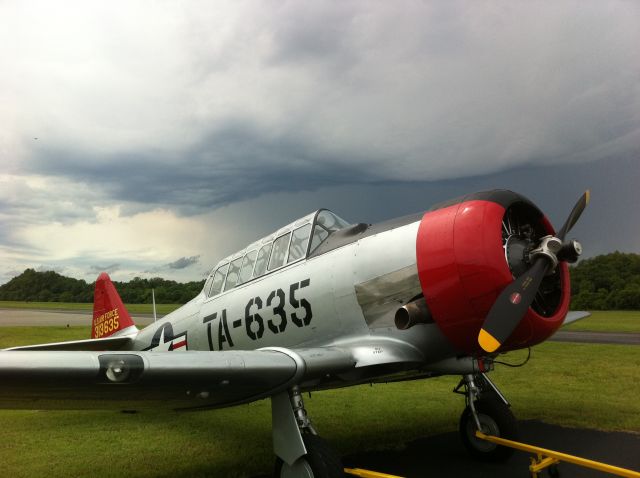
column 413, row 313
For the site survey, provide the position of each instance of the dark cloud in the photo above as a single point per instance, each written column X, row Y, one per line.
column 276, row 109
column 178, row 264
column 311, row 33
column 350, row 93
column 608, row 224
column 26, row 201
column 227, row 166
column 183, row 262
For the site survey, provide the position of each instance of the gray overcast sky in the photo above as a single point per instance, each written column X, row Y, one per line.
column 153, row 138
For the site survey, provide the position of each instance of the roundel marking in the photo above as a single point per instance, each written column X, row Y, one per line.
column 515, row 298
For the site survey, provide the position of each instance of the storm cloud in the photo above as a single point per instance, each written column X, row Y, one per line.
column 183, row 262
column 168, row 111
column 295, row 97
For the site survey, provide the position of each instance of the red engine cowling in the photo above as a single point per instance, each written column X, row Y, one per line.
column 469, row 249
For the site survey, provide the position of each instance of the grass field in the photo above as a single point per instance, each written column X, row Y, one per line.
column 28, row 335
column 584, row 385
column 609, row 321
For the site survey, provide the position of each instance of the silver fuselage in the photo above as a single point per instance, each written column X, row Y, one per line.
column 351, row 292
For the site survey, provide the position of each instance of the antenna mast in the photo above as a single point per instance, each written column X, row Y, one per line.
column 153, row 298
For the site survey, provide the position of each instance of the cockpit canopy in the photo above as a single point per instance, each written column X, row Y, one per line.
column 289, row 244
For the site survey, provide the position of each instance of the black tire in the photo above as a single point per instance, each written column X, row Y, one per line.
column 321, row 457
column 496, row 419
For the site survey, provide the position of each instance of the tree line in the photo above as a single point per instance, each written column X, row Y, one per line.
column 49, row 286
column 605, row 282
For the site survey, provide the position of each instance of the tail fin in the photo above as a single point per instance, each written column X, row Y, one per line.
column 110, row 316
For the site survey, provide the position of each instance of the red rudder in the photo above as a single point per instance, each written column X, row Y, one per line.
column 109, row 313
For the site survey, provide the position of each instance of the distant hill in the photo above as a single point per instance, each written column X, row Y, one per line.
column 52, row 287
column 605, row 282
column 46, row 286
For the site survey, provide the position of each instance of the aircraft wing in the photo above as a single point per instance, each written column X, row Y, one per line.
column 133, row 380
column 574, row 316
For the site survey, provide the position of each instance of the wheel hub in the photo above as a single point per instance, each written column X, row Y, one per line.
column 522, row 233
column 517, row 253
column 488, row 427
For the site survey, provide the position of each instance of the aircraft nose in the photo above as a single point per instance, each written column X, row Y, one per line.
column 463, row 254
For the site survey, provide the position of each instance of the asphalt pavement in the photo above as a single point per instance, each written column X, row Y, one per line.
column 444, row 455
column 596, row 337
column 35, row 317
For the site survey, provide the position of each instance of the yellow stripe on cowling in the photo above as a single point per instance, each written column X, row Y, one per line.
column 487, row 341
column 588, row 196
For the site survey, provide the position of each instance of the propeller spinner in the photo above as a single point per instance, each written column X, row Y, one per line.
column 514, row 301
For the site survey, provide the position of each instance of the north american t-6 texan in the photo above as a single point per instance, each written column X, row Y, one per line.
column 322, row 303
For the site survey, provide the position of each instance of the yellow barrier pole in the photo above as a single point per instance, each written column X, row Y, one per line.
column 576, row 460
column 368, row 474
column 539, row 463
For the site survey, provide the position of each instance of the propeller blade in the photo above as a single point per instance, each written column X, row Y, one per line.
column 576, row 212
column 514, row 301
column 510, row 306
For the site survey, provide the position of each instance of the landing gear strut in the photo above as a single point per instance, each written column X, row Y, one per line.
column 300, row 452
column 488, row 411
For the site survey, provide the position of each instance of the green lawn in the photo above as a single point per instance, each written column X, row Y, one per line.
column 161, row 309
column 586, row 385
column 609, row 321
column 29, row 335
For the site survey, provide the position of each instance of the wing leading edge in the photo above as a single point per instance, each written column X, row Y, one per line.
column 574, row 316
column 134, row 380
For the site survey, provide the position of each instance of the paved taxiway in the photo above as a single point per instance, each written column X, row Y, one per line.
column 596, row 337
column 16, row 317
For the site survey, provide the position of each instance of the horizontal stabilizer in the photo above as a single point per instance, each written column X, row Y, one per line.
column 109, row 343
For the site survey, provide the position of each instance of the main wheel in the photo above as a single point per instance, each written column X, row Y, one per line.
column 321, row 461
column 495, row 419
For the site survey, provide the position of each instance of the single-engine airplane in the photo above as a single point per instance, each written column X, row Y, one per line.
column 322, row 303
